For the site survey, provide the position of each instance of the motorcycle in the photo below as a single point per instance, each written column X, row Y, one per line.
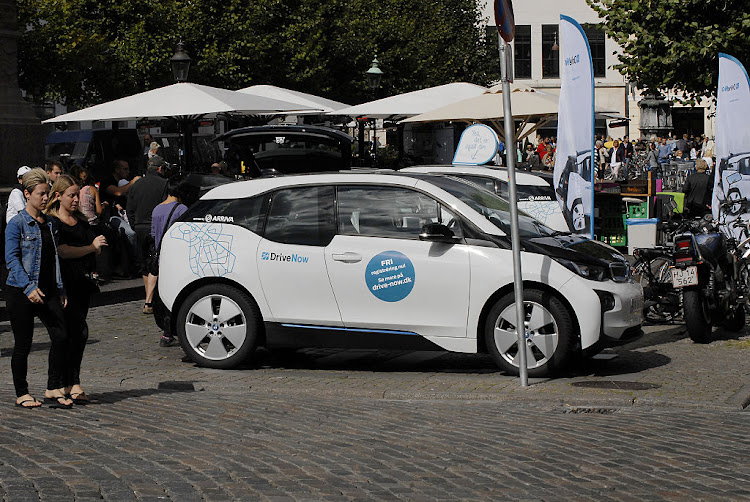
column 653, row 266
column 707, row 269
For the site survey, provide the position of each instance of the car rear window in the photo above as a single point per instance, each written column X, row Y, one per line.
column 248, row 212
column 528, row 192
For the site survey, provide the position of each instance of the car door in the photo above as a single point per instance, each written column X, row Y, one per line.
column 291, row 256
column 384, row 277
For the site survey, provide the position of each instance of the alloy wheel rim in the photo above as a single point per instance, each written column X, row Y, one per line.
column 542, row 335
column 215, row 327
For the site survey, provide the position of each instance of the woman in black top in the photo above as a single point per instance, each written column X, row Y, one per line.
column 35, row 290
column 77, row 246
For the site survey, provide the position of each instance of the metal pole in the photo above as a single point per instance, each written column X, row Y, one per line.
column 506, row 64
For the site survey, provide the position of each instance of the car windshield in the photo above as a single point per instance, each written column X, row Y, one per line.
column 489, row 205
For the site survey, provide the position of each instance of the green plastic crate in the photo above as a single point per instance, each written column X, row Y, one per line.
column 638, row 210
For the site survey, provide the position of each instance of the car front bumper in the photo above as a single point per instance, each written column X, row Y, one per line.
column 622, row 322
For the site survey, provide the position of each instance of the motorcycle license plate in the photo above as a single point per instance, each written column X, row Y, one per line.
column 682, row 277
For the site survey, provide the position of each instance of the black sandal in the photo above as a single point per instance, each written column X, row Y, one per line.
column 80, row 398
column 54, row 402
column 32, row 400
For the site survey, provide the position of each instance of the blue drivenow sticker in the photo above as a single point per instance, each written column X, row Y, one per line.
column 390, row 276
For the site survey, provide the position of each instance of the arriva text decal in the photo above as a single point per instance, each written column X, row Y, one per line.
column 218, row 219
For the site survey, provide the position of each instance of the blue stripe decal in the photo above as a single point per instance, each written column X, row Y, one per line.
column 331, row 328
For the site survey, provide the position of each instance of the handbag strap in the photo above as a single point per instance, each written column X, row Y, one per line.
column 166, row 226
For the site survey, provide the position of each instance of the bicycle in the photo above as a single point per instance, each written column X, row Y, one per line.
column 652, row 269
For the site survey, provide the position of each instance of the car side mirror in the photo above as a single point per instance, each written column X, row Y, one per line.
column 437, row 232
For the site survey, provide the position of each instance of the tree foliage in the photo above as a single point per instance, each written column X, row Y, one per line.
column 674, row 44
column 81, row 52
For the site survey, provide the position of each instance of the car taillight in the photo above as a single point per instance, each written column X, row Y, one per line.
column 683, row 250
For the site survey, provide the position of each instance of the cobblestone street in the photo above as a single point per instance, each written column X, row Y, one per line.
column 662, row 419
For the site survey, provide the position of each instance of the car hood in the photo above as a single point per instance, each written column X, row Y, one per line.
column 575, row 248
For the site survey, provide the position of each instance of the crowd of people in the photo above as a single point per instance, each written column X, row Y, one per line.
column 64, row 235
column 613, row 157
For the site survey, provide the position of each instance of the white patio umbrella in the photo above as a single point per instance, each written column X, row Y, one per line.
column 316, row 104
column 413, row 103
column 183, row 102
column 529, row 105
column 179, row 100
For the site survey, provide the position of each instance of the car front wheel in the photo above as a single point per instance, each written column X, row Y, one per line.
column 550, row 333
column 218, row 326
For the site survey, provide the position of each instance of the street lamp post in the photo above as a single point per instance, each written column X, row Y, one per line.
column 180, row 63
column 374, row 76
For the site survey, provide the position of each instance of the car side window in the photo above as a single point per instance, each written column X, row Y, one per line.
column 384, row 211
column 301, row 216
column 486, row 183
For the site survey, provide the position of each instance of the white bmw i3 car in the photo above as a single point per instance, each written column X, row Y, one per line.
column 408, row 261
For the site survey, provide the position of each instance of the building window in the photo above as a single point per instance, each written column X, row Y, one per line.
column 522, row 51
column 596, row 41
column 550, row 57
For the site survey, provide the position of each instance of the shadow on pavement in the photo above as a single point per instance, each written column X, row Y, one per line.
column 385, row 361
column 626, row 362
column 112, row 397
column 670, row 335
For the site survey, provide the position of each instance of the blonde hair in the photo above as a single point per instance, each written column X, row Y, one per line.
column 35, row 177
column 701, row 165
column 62, row 183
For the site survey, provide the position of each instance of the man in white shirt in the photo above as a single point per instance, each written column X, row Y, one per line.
column 16, row 200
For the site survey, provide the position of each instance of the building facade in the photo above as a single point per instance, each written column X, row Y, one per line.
column 536, row 64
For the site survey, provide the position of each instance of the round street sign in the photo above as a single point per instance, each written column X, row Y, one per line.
column 506, row 23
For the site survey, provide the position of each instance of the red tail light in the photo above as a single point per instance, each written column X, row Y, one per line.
column 684, row 251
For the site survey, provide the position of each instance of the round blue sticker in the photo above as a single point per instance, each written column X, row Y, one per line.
column 390, row 276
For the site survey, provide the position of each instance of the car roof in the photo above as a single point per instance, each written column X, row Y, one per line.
column 498, row 173
column 257, row 186
column 291, row 129
column 260, row 185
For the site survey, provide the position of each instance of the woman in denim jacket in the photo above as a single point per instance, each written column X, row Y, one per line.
column 35, row 289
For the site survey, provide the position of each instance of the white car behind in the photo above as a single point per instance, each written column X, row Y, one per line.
column 535, row 196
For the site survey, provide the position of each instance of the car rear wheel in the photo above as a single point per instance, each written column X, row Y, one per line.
column 550, row 333
column 218, row 326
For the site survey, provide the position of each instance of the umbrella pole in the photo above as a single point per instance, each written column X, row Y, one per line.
column 188, row 147
column 185, row 128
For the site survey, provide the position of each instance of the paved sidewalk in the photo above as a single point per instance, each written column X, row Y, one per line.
column 660, row 420
column 664, row 368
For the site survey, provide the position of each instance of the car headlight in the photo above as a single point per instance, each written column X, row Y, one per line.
column 591, row 272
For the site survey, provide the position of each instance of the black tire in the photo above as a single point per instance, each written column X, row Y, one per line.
column 735, row 319
column 161, row 314
column 696, row 315
column 551, row 345
column 210, row 344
